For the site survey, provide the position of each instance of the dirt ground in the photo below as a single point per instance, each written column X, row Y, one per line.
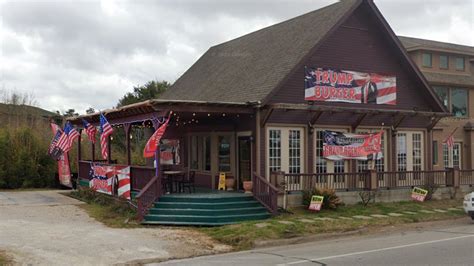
column 47, row 228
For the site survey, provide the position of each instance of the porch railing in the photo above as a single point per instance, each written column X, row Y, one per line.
column 147, row 196
column 265, row 193
column 466, row 177
column 371, row 179
column 412, row 178
column 336, row 181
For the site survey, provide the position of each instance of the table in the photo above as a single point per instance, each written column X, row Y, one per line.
column 171, row 177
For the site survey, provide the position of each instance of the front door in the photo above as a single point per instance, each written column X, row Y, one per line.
column 244, row 160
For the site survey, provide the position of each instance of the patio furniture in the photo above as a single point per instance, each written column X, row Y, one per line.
column 188, row 182
column 172, row 180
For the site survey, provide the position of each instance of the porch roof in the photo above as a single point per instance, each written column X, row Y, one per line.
column 159, row 107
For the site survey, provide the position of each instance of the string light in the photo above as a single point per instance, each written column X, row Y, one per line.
column 208, row 114
column 223, row 114
column 194, row 114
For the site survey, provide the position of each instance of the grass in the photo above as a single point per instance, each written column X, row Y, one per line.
column 110, row 211
column 4, row 259
column 243, row 236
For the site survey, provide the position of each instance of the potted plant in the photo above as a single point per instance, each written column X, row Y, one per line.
column 248, row 185
column 230, row 183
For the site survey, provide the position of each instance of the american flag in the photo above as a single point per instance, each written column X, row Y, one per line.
column 53, row 150
column 449, row 141
column 67, row 137
column 105, row 130
column 90, row 130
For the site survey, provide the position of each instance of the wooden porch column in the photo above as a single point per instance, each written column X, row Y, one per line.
column 257, row 142
column 127, row 128
column 109, row 150
column 93, row 150
column 79, row 151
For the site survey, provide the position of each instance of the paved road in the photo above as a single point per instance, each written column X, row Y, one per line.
column 447, row 245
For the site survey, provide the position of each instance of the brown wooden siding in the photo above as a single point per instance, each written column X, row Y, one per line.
column 359, row 45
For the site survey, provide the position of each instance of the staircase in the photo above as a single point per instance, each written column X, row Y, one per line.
column 205, row 209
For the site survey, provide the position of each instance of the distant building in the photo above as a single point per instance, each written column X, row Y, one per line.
column 449, row 68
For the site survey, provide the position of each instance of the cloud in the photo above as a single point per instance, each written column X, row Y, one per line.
column 80, row 54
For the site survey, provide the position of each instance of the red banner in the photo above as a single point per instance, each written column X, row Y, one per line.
column 331, row 85
column 340, row 146
column 64, row 170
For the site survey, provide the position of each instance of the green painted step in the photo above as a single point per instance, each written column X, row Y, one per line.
column 83, row 183
column 187, row 223
column 217, row 205
column 134, row 193
column 208, row 199
column 206, row 219
column 207, row 212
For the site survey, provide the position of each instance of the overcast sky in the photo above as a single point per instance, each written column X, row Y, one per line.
column 79, row 54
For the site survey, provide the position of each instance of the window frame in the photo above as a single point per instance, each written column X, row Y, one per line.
column 449, row 98
column 423, row 59
column 284, row 148
column 447, row 61
column 463, row 63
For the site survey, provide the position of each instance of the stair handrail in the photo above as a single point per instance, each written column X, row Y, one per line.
column 147, row 196
column 265, row 193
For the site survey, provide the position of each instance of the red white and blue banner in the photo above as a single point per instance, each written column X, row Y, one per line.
column 169, row 152
column 341, row 146
column 332, row 85
column 64, row 171
column 105, row 178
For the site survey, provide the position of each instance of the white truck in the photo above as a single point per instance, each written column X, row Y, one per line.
column 469, row 204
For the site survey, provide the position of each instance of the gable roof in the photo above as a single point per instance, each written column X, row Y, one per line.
column 248, row 68
column 252, row 67
column 412, row 44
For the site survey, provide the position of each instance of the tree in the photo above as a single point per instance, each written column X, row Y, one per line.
column 90, row 110
column 70, row 113
column 151, row 90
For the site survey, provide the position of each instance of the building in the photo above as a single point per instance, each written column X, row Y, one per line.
column 449, row 69
column 249, row 107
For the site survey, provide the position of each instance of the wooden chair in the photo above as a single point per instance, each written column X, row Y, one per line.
column 188, row 182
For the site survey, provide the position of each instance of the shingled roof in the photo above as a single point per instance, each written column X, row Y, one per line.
column 248, row 68
column 411, row 43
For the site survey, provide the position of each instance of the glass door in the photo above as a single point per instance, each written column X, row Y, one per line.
column 244, row 161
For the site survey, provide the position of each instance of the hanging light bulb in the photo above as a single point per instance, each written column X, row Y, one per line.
column 131, row 136
column 194, row 114
column 208, row 114
column 223, row 114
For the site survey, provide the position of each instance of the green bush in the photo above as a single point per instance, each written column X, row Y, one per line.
column 331, row 200
column 24, row 162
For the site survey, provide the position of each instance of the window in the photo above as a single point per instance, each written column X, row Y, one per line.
column 460, row 63
column 427, row 60
column 285, row 150
column 327, row 166
column 443, row 62
column 206, row 143
column 443, row 94
column 459, row 102
column 452, row 157
column 274, row 149
column 435, row 152
column 194, row 163
column 200, row 153
column 401, row 152
column 410, row 151
column 454, row 99
column 224, row 153
column 294, row 142
column 417, row 158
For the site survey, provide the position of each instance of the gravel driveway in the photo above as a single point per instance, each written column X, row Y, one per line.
column 45, row 227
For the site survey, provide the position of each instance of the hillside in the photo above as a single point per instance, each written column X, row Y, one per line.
column 19, row 114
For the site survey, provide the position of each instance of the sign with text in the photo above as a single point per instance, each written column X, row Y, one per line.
column 316, row 203
column 419, row 194
column 221, row 181
column 340, row 146
column 333, row 85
